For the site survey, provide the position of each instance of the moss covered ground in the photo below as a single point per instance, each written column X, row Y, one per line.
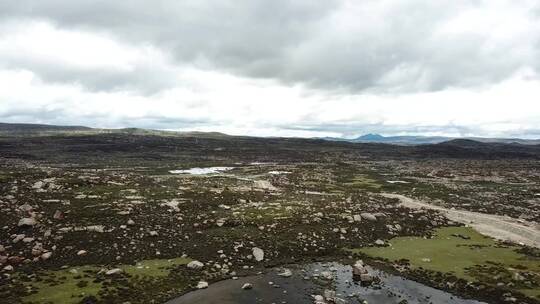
column 463, row 252
column 73, row 284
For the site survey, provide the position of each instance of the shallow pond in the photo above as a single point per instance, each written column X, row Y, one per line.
column 307, row 281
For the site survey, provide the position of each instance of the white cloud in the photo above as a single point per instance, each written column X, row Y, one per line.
column 346, row 68
column 213, row 101
column 40, row 42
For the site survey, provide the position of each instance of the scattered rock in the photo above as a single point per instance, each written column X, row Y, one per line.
column 247, row 286
column 202, row 285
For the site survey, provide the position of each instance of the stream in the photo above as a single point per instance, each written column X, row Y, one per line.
column 308, row 280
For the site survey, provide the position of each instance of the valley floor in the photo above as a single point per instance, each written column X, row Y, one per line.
column 116, row 218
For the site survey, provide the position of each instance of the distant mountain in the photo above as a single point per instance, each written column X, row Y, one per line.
column 424, row 140
column 371, row 137
column 23, row 129
column 80, row 140
column 37, row 127
column 26, row 129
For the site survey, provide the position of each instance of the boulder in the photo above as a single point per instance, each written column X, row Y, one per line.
column 25, row 208
column 358, row 269
column 46, row 256
column 327, row 275
column 329, row 295
column 114, row 271
column 28, row 239
column 361, row 273
column 368, row 216
column 366, row 278
column 258, row 253
column 220, row 222
column 319, row 299
column 8, row 268
column 18, row 238
column 380, row 243
column 15, row 260
column 95, row 228
column 58, row 215
column 27, row 222
column 38, row 185
column 195, row 265
column 286, row 273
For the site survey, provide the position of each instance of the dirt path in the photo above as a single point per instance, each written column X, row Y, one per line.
column 495, row 226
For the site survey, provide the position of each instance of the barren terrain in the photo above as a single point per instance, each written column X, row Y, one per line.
column 138, row 217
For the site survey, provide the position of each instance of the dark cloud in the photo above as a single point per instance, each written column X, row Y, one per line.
column 353, row 46
column 144, row 79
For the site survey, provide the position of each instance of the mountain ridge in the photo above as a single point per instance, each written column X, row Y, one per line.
column 423, row 140
column 29, row 129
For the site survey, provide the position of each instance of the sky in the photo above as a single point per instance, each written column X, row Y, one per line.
column 275, row 68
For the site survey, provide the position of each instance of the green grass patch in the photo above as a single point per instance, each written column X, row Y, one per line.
column 154, row 268
column 64, row 286
column 73, row 284
column 466, row 254
column 362, row 181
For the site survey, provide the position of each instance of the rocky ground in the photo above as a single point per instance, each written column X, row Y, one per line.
column 91, row 210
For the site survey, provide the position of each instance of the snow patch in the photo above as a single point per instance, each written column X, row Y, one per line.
column 202, row 171
column 397, row 182
column 278, row 172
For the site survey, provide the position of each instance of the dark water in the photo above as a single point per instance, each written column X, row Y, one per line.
column 299, row 289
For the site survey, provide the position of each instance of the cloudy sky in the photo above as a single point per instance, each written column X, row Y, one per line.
column 275, row 68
